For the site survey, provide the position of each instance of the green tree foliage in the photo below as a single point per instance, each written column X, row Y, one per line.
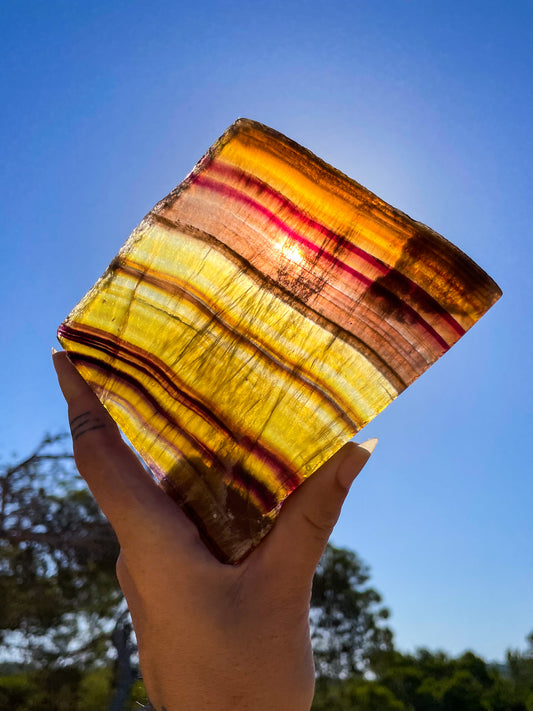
column 354, row 694
column 347, row 618
column 521, row 672
column 432, row 681
column 60, row 603
column 64, row 689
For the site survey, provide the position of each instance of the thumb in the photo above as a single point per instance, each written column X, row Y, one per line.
column 308, row 516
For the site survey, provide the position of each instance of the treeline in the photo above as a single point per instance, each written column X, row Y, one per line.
column 67, row 644
column 433, row 681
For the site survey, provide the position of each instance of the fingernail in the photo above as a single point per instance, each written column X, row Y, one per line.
column 369, row 445
column 70, row 381
column 347, row 473
column 63, row 354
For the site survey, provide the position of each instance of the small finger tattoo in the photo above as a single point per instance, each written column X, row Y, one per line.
column 86, row 422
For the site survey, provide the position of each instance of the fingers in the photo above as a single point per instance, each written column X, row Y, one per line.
column 310, row 513
column 127, row 495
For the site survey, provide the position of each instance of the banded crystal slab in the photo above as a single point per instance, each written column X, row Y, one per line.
column 259, row 316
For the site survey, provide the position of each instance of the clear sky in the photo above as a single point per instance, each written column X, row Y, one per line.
column 107, row 105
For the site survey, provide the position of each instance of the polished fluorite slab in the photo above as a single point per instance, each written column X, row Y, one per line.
column 258, row 317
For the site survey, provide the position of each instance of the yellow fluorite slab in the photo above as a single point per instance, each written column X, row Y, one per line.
column 258, row 317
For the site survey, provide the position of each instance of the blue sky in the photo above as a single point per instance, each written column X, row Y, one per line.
column 107, row 106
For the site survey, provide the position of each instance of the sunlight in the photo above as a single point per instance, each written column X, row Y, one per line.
column 291, row 252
